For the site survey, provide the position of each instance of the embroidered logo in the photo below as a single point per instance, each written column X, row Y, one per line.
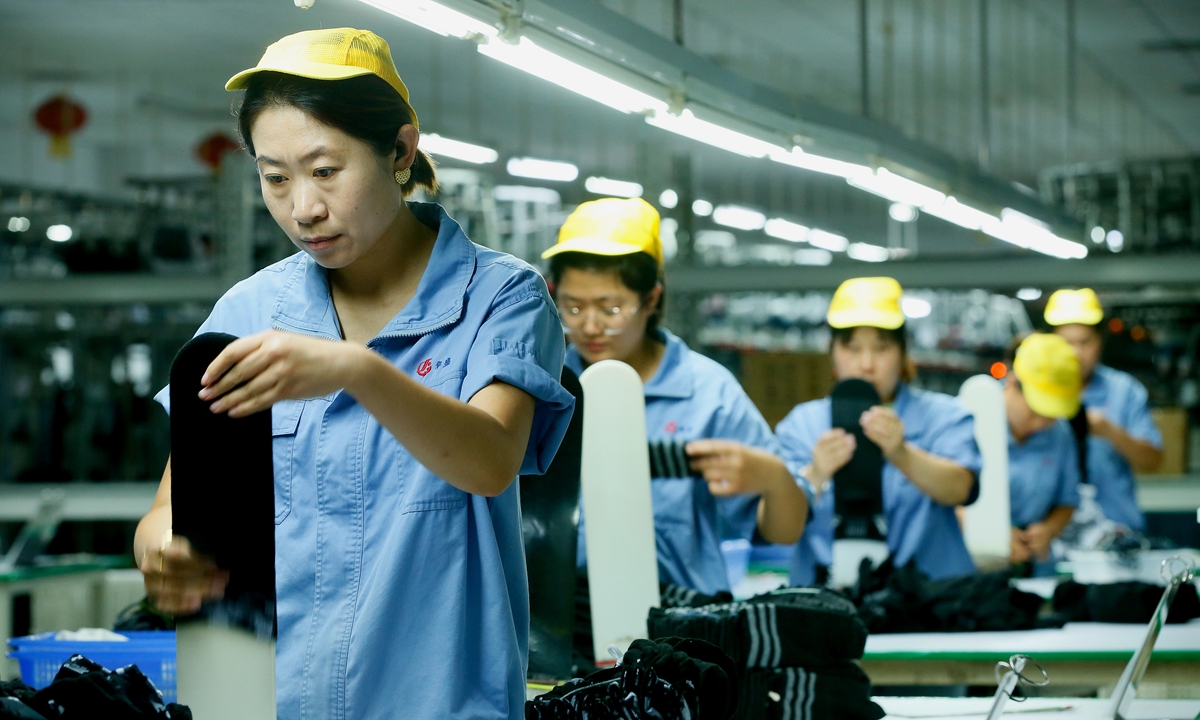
column 671, row 427
column 425, row 366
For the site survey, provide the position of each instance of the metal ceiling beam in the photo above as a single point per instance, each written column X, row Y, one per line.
column 1118, row 271
column 609, row 35
column 116, row 289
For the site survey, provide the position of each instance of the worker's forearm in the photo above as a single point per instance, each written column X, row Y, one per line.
column 1141, row 455
column 1058, row 519
column 461, row 444
column 937, row 477
column 783, row 508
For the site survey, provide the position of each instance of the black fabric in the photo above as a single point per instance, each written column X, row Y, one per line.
column 550, row 526
column 16, row 689
column 1123, row 602
column 837, row 692
column 1079, row 429
column 796, row 627
column 142, row 615
column 858, row 503
column 676, row 679
column 222, row 477
column 896, row 600
column 84, row 690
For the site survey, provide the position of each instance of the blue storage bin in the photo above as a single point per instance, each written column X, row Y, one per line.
column 40, row 657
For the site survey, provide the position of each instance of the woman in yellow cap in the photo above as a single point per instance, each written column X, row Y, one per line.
column 411, row 375
column 1040, row 395
column 1122, row 436
column 927, row 438
column 606, row 271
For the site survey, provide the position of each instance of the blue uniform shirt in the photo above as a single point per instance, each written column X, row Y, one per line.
column 399, row 594
column 692, row 397
column 918, row 527
column 1123, row 400
column 1043, row 473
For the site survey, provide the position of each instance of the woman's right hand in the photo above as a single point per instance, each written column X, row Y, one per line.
column 831, row 453
column 178, row 578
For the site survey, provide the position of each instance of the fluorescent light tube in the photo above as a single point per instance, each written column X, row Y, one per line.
column 867, row 252
column 739, row 218
column 668, row 199
column 892, row 187
column 786, row 230
column 813, row 256
column 902, row 213
column 702, row 208
column 526, row 193
column 915, row 307
column 528, row 56
column 438, row 145
column 436, row 17
column 827, row 241
column 690, row 126
column 59, row 233
column 1018, row 230
column 829, row 166
column 955, row 212
column 615, row 188
column 542, row 169
column 1029, row 294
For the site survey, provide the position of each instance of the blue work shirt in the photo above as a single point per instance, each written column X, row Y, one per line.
column 1123, row 400
column 691, row 397
column 399, row 595
column 1043, row 473
column 918, row 527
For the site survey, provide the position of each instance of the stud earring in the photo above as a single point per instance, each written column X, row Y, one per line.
column 402, row 176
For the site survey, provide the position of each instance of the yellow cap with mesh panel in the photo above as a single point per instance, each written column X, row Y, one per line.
column 611, row 226
column 1048, row 369
column 333, row 54
column 1070, row 307
column 866, row 302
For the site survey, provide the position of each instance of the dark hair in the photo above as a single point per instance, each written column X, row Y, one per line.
column 363, row 107
column 638, row 271
column 899, row 336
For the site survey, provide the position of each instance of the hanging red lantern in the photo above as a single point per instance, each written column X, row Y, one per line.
column 212, row 150
column 60, row 117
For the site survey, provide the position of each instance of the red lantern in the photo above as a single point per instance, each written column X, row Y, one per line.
column 60, row 117
column 212, row 150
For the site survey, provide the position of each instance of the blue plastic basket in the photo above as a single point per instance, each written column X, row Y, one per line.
column 40, row 657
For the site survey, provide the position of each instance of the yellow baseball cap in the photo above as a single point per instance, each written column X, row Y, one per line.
column 611, row 226
column 1068, row 307
column 866, row 302
column 333, row 54
column 1048, row 369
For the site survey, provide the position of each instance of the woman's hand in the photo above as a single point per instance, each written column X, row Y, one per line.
column 1020, row 551
column 178, row 579
column 884, row 427
column 831, row 453
column 253, row 373
column 729, row 467
column 1037, row 537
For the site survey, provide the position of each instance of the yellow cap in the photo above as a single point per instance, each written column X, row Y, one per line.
column 866, row 302
column 1068, row 307
column 333, row 54
column 1048, row 369
column 611, row 226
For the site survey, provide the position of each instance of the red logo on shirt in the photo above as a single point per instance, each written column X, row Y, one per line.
column 425, row 366
column 671, row 427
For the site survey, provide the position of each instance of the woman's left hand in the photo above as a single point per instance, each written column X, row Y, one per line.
column 253, row 373
column 729, row 467
column 884, row 427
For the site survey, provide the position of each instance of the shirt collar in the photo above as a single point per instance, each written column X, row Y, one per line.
column 902, row 399
column 672, row 379
column 305, row 305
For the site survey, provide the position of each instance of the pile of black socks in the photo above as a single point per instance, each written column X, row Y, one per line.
column 795, row 649
column 1123, row 602
column 674, row 679
column 83, row 690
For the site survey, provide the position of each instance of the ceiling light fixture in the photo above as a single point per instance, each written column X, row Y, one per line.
column 1023, row 231
column 615, row 188
column 526, row 193
column 457, row 149
column 702, row 208
column 542, row 169
column 953, row 211
column 891, row 186
column 816, row 163
column 690, row 126
column 867, row 252
column 786, row 230
column 1029, row 294
column 915, row 307
column 528, row 56
column 739, row 218
column 668, row 199
column 59, row 233
column 1115, row 240
column 813, row 256
column 902, row 213
column 1097, row 235
column 828, row 241
column 436, row 17
column 17, row 224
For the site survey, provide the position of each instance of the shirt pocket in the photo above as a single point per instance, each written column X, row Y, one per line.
column 424, row 491
column 285, row 421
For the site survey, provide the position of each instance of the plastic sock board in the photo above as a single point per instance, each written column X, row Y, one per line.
column 615, row 475
column 861, row 529
column 987, row 524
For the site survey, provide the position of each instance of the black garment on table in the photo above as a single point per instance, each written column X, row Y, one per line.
column 795, row 627
column 16, row 689
column 223, row 489
column 1123, row 602
column 896, row 600
column 14, row 709
column 838, row 692
column 672, row 679
column 84, row 690
column 1079, row 429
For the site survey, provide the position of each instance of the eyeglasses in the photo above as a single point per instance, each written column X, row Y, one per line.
column 612, row 320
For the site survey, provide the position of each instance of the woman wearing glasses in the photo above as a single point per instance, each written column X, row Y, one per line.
column 606, row 271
